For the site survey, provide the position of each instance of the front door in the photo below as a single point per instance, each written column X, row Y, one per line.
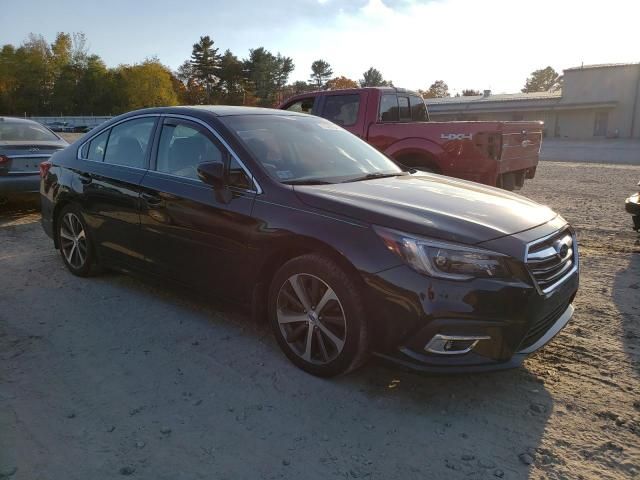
column 190, row 232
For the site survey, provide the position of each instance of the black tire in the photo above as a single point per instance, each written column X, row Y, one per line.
column 320, row 274
column 82, row 261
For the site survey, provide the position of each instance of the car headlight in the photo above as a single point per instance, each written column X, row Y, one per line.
column 443, row 259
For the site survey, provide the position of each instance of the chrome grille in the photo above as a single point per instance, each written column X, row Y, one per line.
column 553, row 259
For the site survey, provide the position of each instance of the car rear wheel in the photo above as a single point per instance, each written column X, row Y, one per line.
column 318, row 317
column 75, row 242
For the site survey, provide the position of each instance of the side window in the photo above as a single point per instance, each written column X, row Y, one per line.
column 342, row 109
column 405, row 111
column 238, row 177
column 389, row 108
column 183, row 146
column 96, row 147
column 303, row 106
column 418, row 109
column 129, row 141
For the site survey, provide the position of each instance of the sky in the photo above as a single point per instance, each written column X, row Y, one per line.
column 479, row 44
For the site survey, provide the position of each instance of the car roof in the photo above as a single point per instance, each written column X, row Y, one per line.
column 214, row 110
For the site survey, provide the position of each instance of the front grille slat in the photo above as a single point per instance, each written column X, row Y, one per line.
column 552, row 259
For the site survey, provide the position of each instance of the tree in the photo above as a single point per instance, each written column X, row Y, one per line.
column 470, row 92
column 320, row 72
column 206, row 65
column 147, row 84
column 8, row 79
column 338, row 83
column 438, row 89
column 373, row 78
column 265, row 74
column 231, row 79
column 300, row 87
column 543, row 80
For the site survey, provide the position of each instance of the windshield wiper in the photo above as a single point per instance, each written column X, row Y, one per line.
column 371, row 176
column 307, row 181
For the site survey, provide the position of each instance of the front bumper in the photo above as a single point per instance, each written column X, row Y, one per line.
column 512, row 318
column 19, row 184
column 476, row 363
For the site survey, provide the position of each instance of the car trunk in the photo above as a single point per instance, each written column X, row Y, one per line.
column 24, row 157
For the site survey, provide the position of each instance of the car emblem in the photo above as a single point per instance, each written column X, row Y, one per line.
column 34, row 149
column 561, row 248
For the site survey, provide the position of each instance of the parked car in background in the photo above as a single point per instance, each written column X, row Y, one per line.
column 24, row 144
column 60, row 126
column 343, row 250
column 396, row 122
column 632, row 206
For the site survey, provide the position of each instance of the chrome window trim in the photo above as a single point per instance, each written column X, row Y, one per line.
column 194, row 181
column 575, row 268
column 81, row 146
column 258, row 190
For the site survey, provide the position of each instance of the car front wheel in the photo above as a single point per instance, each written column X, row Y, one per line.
column 318, row 317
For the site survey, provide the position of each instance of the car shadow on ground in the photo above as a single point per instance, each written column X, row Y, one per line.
column 626, row 296
column 469, row 424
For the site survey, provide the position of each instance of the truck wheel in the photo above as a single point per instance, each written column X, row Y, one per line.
column 508, row 181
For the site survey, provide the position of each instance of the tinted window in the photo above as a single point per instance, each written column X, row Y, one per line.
column 389, row 108
column 418, row 109
column 405, row 112
column 97, row 147
column 25, row 131
column 299, row 148
column 129, row 141
column 342, row 109
column 237, row 176
column 303, row 106
column 183, row 146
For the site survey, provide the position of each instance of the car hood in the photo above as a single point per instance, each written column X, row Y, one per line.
column 431, row 205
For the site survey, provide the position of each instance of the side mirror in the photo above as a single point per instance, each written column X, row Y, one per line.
column 212, row 173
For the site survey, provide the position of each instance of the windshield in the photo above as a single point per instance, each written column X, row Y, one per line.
column 24, row 131
column 294, row 149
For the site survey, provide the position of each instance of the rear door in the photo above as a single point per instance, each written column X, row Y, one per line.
column 191, row 232
column 115, row 161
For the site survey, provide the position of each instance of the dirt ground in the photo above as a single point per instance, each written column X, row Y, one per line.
column 111, row 376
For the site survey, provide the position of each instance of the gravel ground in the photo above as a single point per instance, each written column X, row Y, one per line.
column 113, row 376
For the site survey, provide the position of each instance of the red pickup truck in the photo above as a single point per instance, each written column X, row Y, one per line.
column 396, row 122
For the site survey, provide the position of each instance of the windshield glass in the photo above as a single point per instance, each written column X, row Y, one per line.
column 305, row 148
column 24, row 131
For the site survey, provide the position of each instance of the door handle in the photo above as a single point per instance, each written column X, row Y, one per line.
column 85, row 179
column 151, row 200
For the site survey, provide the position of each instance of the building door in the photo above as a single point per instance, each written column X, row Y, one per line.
column 601, row 124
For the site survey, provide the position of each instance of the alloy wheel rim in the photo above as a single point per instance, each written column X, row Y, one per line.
column 73, row 240
column 311, row 318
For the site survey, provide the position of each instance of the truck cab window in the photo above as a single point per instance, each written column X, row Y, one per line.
column 418, row 109
column 342, row 109
column 405, row 111
column 389, row 108
column 303, row 106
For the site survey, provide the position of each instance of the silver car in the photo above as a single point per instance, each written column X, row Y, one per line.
column 24, row 144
